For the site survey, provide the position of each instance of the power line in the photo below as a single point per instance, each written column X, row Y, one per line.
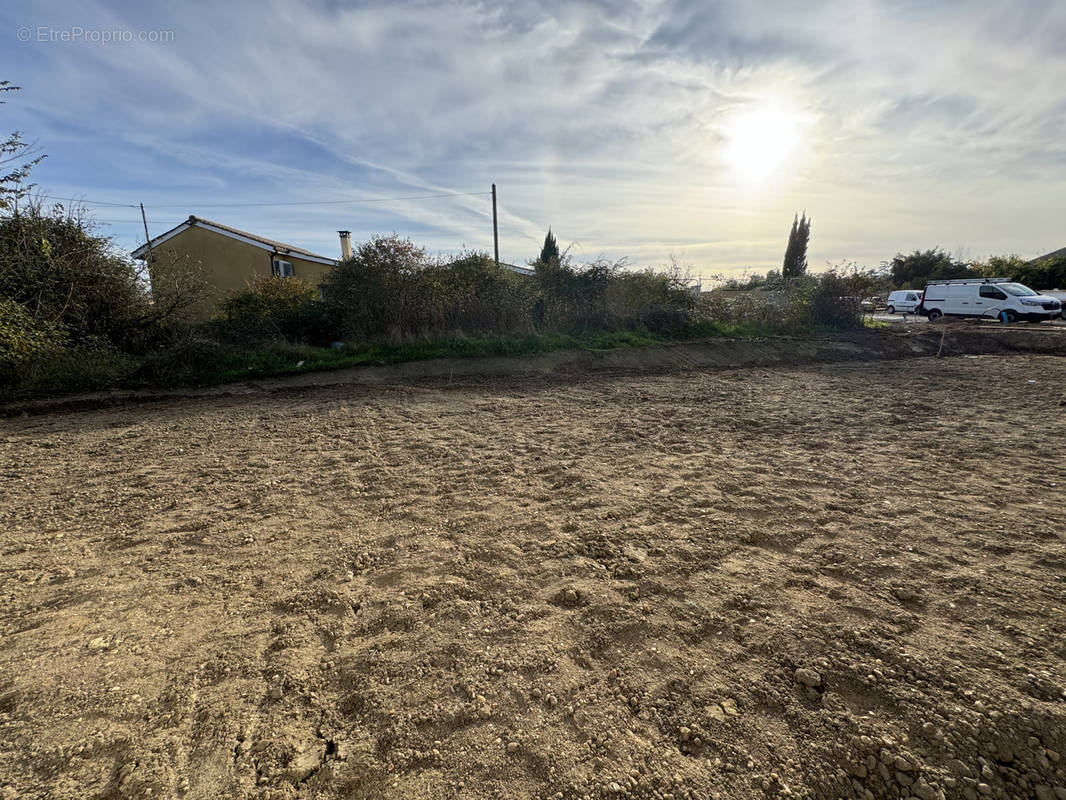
column 326, row 202
column 265, row 205
column 81, row 201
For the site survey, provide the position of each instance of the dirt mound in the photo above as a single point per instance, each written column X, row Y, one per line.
column 846, row 580
column 947, row 339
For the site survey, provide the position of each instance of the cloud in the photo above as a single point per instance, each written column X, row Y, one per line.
column 606, row 120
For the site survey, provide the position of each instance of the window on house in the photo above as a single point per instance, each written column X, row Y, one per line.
column 282, row 269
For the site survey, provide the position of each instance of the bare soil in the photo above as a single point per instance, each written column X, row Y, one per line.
column 845, row 580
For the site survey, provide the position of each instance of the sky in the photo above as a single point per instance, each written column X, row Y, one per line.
column 649, row 130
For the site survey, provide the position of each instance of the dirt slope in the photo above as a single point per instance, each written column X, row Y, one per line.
column 838, row 581
column 917, row 341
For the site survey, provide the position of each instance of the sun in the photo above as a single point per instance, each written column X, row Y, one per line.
column 760, row 141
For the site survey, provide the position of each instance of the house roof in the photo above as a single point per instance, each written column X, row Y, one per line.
column 527, row 271
column 520, row 270
column 1060, row 253
column 234, row 233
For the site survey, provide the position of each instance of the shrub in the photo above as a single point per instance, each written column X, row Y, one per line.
column 390, row 290
column 649, row 295
column 1045, row 273
column 92, row 363
column 473, row 295
column 665, row 320
column 313, row 323
column 54, row 266
column 181, row 290
column 22, row 335
column 74, row 311
column 604, row 296
column 832, row 302
column 575, row 299
column 375, row 292
column 764, row 311
column 24, row 340
column 274, row 308
column 187, row 356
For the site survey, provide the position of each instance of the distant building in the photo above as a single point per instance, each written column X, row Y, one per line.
column 1060, row 253
column 228, row 259
column 527, row 271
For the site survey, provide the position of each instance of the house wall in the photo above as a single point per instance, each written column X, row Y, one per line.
column 225, row 264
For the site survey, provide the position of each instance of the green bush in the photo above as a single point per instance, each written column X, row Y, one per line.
column 23, row 336
column 74, row 310
column 575, row 299
column 92, row 363
column 768, row 312
column 38, row 356
column 654, row 299
column 390, row 290
column 376, row 292
column 1047, row 273
column 473, row 295
column 605, row 296
column 1043, row 274
column 185, row 357
column 665, row 320
column 274, row 308
column 829, row 301
column 312, row 324
column 54, row 266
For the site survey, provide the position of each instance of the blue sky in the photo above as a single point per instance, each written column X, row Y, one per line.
column 642, row 130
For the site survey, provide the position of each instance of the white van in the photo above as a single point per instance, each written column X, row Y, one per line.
column 906, row 301
column 987, row 297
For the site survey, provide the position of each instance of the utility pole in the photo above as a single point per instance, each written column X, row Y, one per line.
column 147, row 238
column 495, row 230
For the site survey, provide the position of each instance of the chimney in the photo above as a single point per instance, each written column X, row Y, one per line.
column 346, row 245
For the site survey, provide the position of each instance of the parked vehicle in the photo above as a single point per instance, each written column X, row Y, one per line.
column 993, row 298
column 906, row 301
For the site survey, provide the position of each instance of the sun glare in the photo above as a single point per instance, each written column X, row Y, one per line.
column 759, row 142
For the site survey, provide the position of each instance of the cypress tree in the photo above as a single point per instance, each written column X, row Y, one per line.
column 550, row 251
column 795, row 264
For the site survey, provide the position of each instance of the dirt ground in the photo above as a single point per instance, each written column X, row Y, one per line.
column 837, row 581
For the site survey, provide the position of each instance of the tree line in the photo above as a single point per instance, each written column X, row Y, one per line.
column 913, row 270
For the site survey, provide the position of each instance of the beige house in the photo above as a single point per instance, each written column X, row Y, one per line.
column 224, row 260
